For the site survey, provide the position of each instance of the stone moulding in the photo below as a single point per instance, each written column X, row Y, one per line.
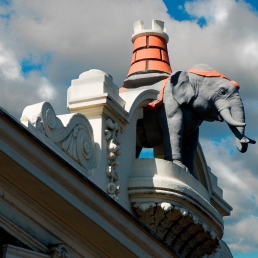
column 183, row 231
column 72, row 133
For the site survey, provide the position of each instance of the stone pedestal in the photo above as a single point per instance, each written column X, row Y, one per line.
column 95, row 95
column 176, row 206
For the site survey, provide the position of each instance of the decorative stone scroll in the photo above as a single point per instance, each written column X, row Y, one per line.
column 183, row 231
column 114, row 150
column 72, row 133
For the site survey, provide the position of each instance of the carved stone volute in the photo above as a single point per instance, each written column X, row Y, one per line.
column 72, row 133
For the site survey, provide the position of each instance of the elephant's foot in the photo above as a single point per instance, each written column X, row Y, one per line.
column 180, row 164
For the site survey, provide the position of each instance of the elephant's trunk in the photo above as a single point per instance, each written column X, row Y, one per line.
column 238, row 113
column 234, row 115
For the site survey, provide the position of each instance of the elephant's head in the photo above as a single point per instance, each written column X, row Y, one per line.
column 212, row 96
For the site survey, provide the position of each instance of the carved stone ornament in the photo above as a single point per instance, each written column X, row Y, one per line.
column 114, row 150
column 183, row 231
column 72, row 133
column 59, row 250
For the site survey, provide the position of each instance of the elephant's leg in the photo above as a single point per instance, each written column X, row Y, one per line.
column 190, row 143
column 158, row 151
column 170, row 119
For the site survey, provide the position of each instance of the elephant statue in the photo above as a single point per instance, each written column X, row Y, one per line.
column 189, row 98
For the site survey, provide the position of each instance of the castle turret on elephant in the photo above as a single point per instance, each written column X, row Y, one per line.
column 187, row 99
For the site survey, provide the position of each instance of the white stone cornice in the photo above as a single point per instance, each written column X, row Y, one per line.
column 66, row 205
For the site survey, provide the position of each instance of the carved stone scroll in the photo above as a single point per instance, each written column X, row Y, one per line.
column 183, row 231
column 114, row 151
column 72, row 133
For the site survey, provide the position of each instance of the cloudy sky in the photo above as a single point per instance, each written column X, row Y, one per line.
column 46, row 44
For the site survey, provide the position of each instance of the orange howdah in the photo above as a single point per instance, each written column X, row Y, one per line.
column 158, row 102
column 212, row 74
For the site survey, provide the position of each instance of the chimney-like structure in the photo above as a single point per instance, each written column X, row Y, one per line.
column 150, row 53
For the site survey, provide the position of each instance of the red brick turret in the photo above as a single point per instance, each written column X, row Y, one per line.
column 150, row 49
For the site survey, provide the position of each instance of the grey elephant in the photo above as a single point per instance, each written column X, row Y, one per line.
column 190, row 97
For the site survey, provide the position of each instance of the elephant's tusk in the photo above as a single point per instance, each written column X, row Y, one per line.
column 225, row 113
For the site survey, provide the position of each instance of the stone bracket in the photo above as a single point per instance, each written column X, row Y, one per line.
column 183, row 231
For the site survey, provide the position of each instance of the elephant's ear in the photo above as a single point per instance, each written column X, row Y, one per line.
column 182, row 90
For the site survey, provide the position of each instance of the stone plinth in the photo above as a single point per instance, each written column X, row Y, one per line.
column 176, row 206
column 95, row 95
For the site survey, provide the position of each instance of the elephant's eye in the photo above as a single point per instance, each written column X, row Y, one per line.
column 222, row 91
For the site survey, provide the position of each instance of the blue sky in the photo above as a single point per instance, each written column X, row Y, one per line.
column 176, row 8
column 43, row 48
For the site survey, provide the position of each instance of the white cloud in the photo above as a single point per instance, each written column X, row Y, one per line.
column 46, row 90
column 244, row 234
column 9, row 67
column 18, row 91
column 239, row 181
column 214, row 11
column 250, row 53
